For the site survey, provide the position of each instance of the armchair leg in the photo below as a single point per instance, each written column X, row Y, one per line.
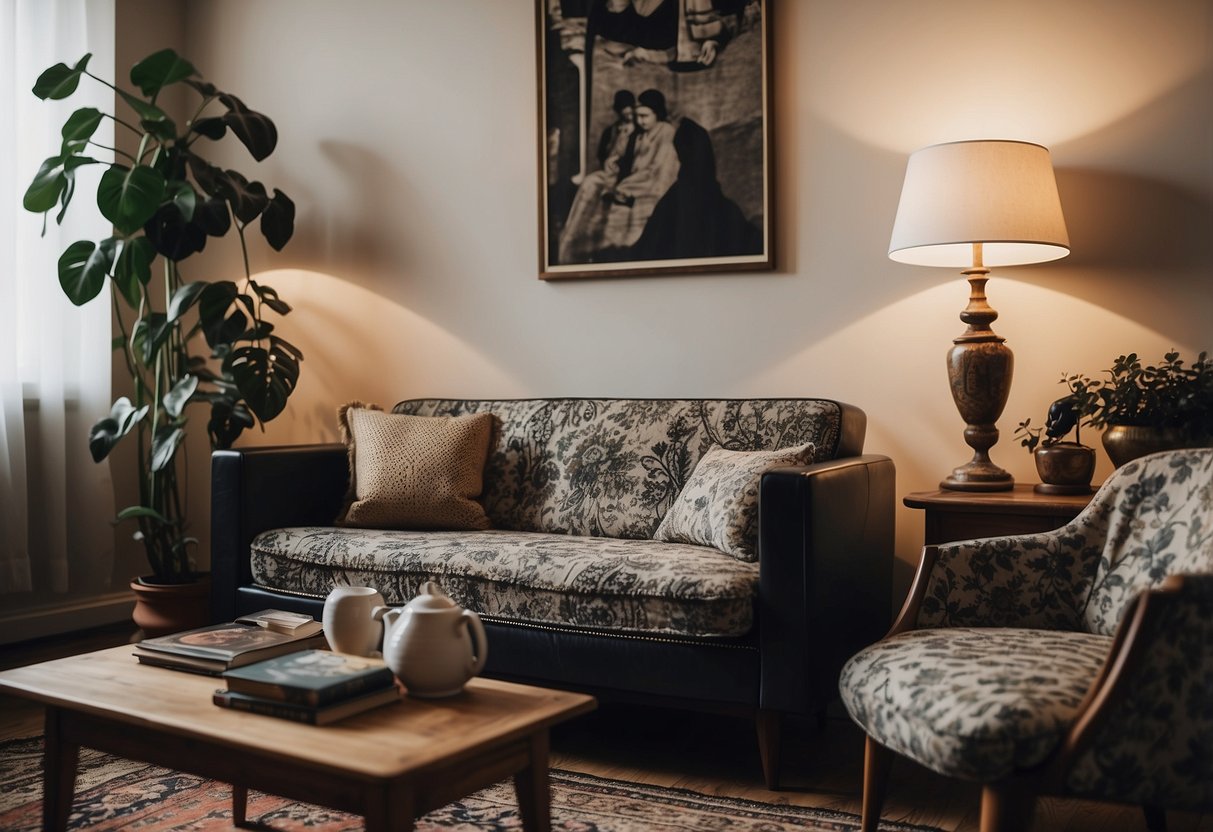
column 876, row 762
column 769, row 723
column 1006, row 807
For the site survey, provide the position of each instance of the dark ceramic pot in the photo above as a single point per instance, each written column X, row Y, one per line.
column 1125, row 443
column 1064, row 468
column 161, row 609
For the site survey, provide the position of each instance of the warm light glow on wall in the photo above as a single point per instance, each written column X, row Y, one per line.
column 1075, row 67
column 359, row 345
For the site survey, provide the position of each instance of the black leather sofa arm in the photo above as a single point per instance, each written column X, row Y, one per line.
column 825, row 574
column 256, row 489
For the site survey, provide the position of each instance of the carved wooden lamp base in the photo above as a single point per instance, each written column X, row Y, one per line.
column 979, row 372
column 978, row 476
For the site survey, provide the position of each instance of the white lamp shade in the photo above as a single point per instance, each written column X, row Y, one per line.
column 999, row 193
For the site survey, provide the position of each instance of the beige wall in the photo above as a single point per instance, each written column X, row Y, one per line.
column 407, row 140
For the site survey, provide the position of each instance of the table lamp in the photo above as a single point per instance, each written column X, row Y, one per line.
column 972, row 205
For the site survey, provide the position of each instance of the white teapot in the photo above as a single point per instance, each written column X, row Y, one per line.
column 427, row 645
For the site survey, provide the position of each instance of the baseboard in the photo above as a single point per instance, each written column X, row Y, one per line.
column 68, row 617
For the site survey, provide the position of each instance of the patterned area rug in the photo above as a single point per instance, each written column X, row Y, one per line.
column 113, row 793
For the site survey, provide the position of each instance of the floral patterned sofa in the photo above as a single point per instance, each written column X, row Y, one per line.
column 1074, row 662
column 572, row 586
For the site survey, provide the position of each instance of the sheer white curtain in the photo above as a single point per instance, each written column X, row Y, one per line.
column 55, row 364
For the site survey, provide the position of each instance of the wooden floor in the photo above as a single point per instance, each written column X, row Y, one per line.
column 707, row 753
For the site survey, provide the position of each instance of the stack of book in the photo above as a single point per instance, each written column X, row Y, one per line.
column 219, row 647
column 313, row 686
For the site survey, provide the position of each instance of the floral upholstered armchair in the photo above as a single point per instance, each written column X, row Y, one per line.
column 1074, row 662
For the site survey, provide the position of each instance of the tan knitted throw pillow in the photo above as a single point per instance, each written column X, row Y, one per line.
column 414, row 472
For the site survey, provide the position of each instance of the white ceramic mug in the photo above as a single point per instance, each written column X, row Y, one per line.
column 348, row 623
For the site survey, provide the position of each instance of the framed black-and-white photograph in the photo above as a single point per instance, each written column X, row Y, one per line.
column 655, row 137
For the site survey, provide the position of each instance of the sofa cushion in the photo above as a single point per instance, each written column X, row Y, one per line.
column 612, row 467
column 414, row 472
column 639, row 586
column 718, row 506
column 970, row 702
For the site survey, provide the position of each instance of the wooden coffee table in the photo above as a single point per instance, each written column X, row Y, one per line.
column 391, row 764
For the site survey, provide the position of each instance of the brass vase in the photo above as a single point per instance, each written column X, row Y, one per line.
column 1064, row 468
column 1128, row 442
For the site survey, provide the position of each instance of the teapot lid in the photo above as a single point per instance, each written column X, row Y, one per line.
column 431, row 599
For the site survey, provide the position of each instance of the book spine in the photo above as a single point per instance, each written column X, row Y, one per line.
column 282, row 710
column 314, row 698
column 153, row 661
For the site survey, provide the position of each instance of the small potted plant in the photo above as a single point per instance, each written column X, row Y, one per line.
column 1147, row 408
column 1064, row 467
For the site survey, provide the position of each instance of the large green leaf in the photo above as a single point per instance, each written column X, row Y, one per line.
column 49, row 183
column 128, row 197
column 266, row 378
column 248, row 199
column 278, row 220
column 83, row 268
column 133, row 268
column 52, row 181
column 286, row 355
column 210, row 179
column 79, row 128
column 107, row 431
column 172, row 236
column 269, row 296
column 59, row 81
column 229, row 419
column 254, row 129
column 257, row 332
column 69, row 171
column 184, row 196
column 164, row 130
column 65, row 199
column 204, row 88
column 211, row 127
column 141, row 511
column 184, row 298
column 160, row 69
column 177, row 398
column 138, row 345
column 213, row 217
column 164, row 446
column 156, row 331
column 218, row 327
column 144, row 109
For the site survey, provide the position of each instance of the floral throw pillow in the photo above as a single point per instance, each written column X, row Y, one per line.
column 414, row 472
column 718, row 506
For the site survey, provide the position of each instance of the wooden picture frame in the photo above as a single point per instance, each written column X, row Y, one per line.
column 655, row 152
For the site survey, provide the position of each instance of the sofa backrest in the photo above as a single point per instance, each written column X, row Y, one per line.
column 612, row 467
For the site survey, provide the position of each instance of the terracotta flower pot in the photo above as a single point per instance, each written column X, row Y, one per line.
column 1064, row 468
column 161, row 609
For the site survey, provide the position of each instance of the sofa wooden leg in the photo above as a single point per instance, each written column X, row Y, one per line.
column 1006, row 807
column 876, row 762
column 769, row 723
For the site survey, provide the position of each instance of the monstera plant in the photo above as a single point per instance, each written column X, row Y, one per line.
column 184, row 342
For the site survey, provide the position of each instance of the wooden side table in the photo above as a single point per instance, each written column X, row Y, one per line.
column 963, row 515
